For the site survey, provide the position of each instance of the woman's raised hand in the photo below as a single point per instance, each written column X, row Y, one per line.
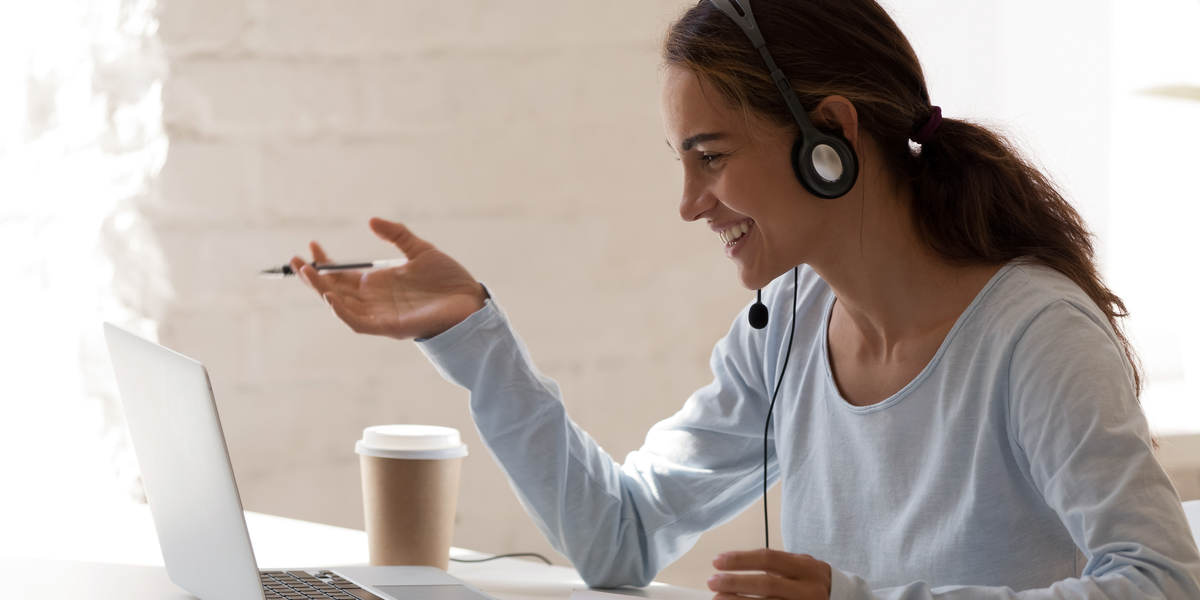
column 780, row 575
column 419, row 299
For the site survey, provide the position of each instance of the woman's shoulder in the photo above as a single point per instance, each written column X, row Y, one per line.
column 1054, row 348
column 1025, row 291
column 1034, row 315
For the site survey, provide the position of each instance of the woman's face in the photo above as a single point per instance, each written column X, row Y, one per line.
column 737, row 178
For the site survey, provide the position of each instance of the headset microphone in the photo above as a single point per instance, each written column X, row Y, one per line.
column 758, row 313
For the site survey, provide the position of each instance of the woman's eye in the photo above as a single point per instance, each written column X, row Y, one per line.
column 710, row 158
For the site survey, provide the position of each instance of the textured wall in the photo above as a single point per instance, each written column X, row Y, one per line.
column 522, row 137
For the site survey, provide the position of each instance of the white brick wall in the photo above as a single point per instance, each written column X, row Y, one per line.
column 524, row 138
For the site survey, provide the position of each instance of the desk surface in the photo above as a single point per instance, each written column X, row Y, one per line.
column 117, row 556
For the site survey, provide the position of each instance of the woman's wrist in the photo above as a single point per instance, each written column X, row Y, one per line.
column 461, row 309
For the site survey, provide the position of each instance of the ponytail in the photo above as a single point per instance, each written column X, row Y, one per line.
column 976, row 199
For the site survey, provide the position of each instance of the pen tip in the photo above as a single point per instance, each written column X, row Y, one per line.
column 276, row 272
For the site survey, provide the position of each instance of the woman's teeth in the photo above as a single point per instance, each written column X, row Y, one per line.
column 733, row 234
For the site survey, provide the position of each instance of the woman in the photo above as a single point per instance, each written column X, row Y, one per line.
column 957, row 406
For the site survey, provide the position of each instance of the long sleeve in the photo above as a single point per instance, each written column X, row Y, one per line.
column 617, row 524
column 1076, row 430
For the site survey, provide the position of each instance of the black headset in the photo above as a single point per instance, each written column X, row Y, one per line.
column 826, row 165
column 824, row 162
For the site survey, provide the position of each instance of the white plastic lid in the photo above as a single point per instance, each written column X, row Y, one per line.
column 411, row 441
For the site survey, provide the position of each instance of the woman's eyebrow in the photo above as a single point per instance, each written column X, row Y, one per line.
column 699, row 138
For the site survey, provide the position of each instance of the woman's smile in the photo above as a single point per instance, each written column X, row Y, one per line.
column 732, row 234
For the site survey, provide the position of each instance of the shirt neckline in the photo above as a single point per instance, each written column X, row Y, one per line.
column 923, row 375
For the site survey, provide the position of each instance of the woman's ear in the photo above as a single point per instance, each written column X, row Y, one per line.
column 838, row 113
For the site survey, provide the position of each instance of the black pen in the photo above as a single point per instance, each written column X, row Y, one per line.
column 286, row 270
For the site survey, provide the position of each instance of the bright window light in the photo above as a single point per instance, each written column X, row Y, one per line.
column 80, row 138
column 1155, row 208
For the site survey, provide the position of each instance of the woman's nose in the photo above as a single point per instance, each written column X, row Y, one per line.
column 696, row 199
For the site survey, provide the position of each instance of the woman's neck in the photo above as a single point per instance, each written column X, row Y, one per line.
column 890, row 285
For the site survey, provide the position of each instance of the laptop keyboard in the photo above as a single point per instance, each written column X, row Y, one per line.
column 301, row 585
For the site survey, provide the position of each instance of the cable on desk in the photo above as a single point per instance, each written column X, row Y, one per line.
column 516, row 555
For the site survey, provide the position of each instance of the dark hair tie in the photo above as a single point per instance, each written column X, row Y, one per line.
column 930, row 127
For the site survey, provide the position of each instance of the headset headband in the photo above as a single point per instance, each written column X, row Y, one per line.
column 825, row 163
column 744, row 17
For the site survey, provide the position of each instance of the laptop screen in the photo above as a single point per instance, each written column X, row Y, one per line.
column 185, row 468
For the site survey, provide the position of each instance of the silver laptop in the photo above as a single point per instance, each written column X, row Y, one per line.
column 194, row 499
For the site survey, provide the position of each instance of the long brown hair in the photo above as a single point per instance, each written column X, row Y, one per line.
column 976, row 200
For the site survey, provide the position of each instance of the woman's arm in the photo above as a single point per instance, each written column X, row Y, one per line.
column 619, row 524
column 1075, row 418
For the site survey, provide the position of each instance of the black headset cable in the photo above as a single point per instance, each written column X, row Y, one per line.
column 767, row 426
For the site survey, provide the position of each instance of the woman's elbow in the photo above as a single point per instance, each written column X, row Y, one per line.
column 611, row 578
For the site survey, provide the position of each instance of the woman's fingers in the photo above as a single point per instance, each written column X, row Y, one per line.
column 346, row 308
column 318, row 253
column 357, row 322
column 315, row 280
column 398, row 234
column 762, row 585
column 783, row 564
column 757, row 584
column 297, row 263
column 779, row 575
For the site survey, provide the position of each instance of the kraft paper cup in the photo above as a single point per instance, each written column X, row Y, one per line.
column 410, row 492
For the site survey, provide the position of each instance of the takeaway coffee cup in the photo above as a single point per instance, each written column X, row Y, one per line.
column 410, row 492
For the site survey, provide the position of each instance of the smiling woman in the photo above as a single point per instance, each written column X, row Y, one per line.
column 957, row 406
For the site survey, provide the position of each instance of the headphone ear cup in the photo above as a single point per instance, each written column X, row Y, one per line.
column 827, row 165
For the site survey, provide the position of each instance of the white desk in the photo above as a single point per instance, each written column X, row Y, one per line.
column 117, row 557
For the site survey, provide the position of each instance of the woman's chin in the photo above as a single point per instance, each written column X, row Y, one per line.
column 752, row 280
column 756, row 279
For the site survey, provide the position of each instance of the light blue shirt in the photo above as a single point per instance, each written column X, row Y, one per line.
column 1017, row 464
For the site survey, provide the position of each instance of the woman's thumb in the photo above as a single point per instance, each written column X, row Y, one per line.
column 399, row 235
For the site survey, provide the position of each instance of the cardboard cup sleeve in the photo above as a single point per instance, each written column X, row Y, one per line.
column 410, row 477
